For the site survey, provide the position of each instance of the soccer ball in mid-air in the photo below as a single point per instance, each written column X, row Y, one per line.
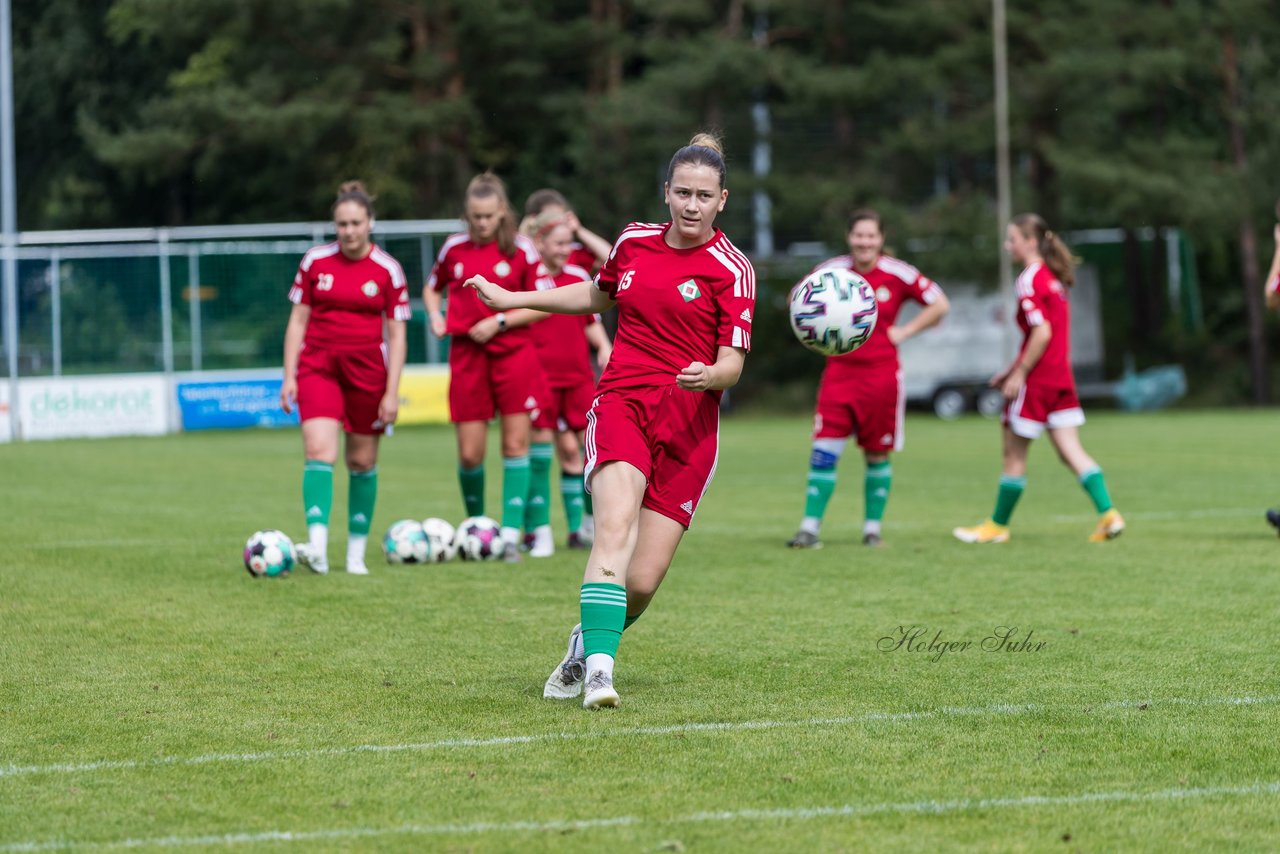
column 406, row 542
column 443, row 537
column 479, row 538
column 833, row 311
column 269, row 553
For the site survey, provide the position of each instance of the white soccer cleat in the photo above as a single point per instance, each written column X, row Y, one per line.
column 599, row 693
column 565, row 682
column 312, row 559
column 543, row 543
column 357, row 567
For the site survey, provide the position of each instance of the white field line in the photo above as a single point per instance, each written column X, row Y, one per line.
column 930, row 807
column 10, row 771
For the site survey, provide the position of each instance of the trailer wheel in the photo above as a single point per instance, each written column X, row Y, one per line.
column 990, row 402
column 950, row 403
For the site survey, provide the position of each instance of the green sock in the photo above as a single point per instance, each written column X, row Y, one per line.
column 571, row 492
column 1007, row 498
column 362, row 493
column 875, row 486
column 472, row 483
column 587, row 506
column 822, row 482
column 515, row 490
column 604, row 612
column 630, row 620
column 537, row 510
column 317, row 491
column 1096, row 485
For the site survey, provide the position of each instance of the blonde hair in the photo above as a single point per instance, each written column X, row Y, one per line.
column 353, row 191
column 703, row 150
column 1056, row 254
column 486, row 186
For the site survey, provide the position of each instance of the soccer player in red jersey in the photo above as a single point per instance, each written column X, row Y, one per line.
column 1039, row 386
column 564, row 345
column 493, row 367
column 685, row 296
column 344, row 349
column 589, row 250
column 861, row 392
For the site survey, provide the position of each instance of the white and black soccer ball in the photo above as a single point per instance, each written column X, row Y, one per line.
column 406, row 542
column 269, row 553
column 833, row 311
column 479, row 538
column 443, row 537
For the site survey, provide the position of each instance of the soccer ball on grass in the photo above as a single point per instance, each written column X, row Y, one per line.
column 406, row 542
column 269, row 553
column 480, row 538
column 443, row 537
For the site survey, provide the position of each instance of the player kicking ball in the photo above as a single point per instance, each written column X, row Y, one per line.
column 1039, row 386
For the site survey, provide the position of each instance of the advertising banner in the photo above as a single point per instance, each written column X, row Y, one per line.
column 245, row 402
column 424, row 395
column 117, row 405
column 6, row 429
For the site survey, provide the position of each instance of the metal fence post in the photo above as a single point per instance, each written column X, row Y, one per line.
column 55, row 305
column 194, row 298
column 166, row 328
column 424, row 253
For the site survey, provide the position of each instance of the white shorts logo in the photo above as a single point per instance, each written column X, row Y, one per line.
column 687, row 507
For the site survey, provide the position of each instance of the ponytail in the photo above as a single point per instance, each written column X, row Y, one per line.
column 353, row 191
column 703, row 150
column 1055, row 252
column 488, row 185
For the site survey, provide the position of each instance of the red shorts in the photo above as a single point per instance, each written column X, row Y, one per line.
column 870, row 403
column 567, row 407
column 483, row 383
column 1038, row 406
column 344, row 384
column 671, row 435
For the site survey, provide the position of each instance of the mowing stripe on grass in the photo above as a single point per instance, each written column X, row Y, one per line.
column 9, row 771
column 932, row 807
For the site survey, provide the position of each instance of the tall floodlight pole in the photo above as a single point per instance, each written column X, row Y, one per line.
column 9, row 211
column 1004, row 201
column 762, row 206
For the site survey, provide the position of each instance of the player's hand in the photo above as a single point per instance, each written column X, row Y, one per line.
column 389, row 408
column 438, row 326
column 696, row 377
column 1013, row 384
column 602, row 357
column 571, row 220
column 896, row 335
column 997, row 381
column 494, row 296
column 484, row 329
column 288, row 395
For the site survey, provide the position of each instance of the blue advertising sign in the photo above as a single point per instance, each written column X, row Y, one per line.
column 232, row 403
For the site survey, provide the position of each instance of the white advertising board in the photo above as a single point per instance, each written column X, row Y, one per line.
column 6, row 429
column 116, row 405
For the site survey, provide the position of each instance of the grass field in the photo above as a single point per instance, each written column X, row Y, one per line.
column 154, row 695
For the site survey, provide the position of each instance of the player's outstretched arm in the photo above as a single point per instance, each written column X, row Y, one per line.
column 293, row 335
column 725, row 373
column 578, row 298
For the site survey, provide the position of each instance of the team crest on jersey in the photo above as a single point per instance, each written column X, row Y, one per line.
column 689, row 290
column 502, row 269
column 369, row 289
column 457, row 270
column 882, row 294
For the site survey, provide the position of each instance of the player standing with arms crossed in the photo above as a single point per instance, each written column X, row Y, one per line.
column 564, row 344
column 493, row 367
column 685, row 296
column 861, row 392
column 1039, row 386
column 343, row 370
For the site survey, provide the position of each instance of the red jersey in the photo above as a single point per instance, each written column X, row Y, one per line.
column 894, row 282
column 675, row 306
column 562, row 343
column 1042, row 299
column 348, row 298
column 581, row 256
column 460, row 259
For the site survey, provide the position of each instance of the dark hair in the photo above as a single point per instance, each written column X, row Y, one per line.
column 703, row 150
column 353, row 191
column 488, row 185
column 865, row 213
column 1057, row 256
column 540, row 200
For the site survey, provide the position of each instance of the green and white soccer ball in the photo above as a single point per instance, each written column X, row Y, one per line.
column 406, row 542
column 269, row 553
column 443, row 537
